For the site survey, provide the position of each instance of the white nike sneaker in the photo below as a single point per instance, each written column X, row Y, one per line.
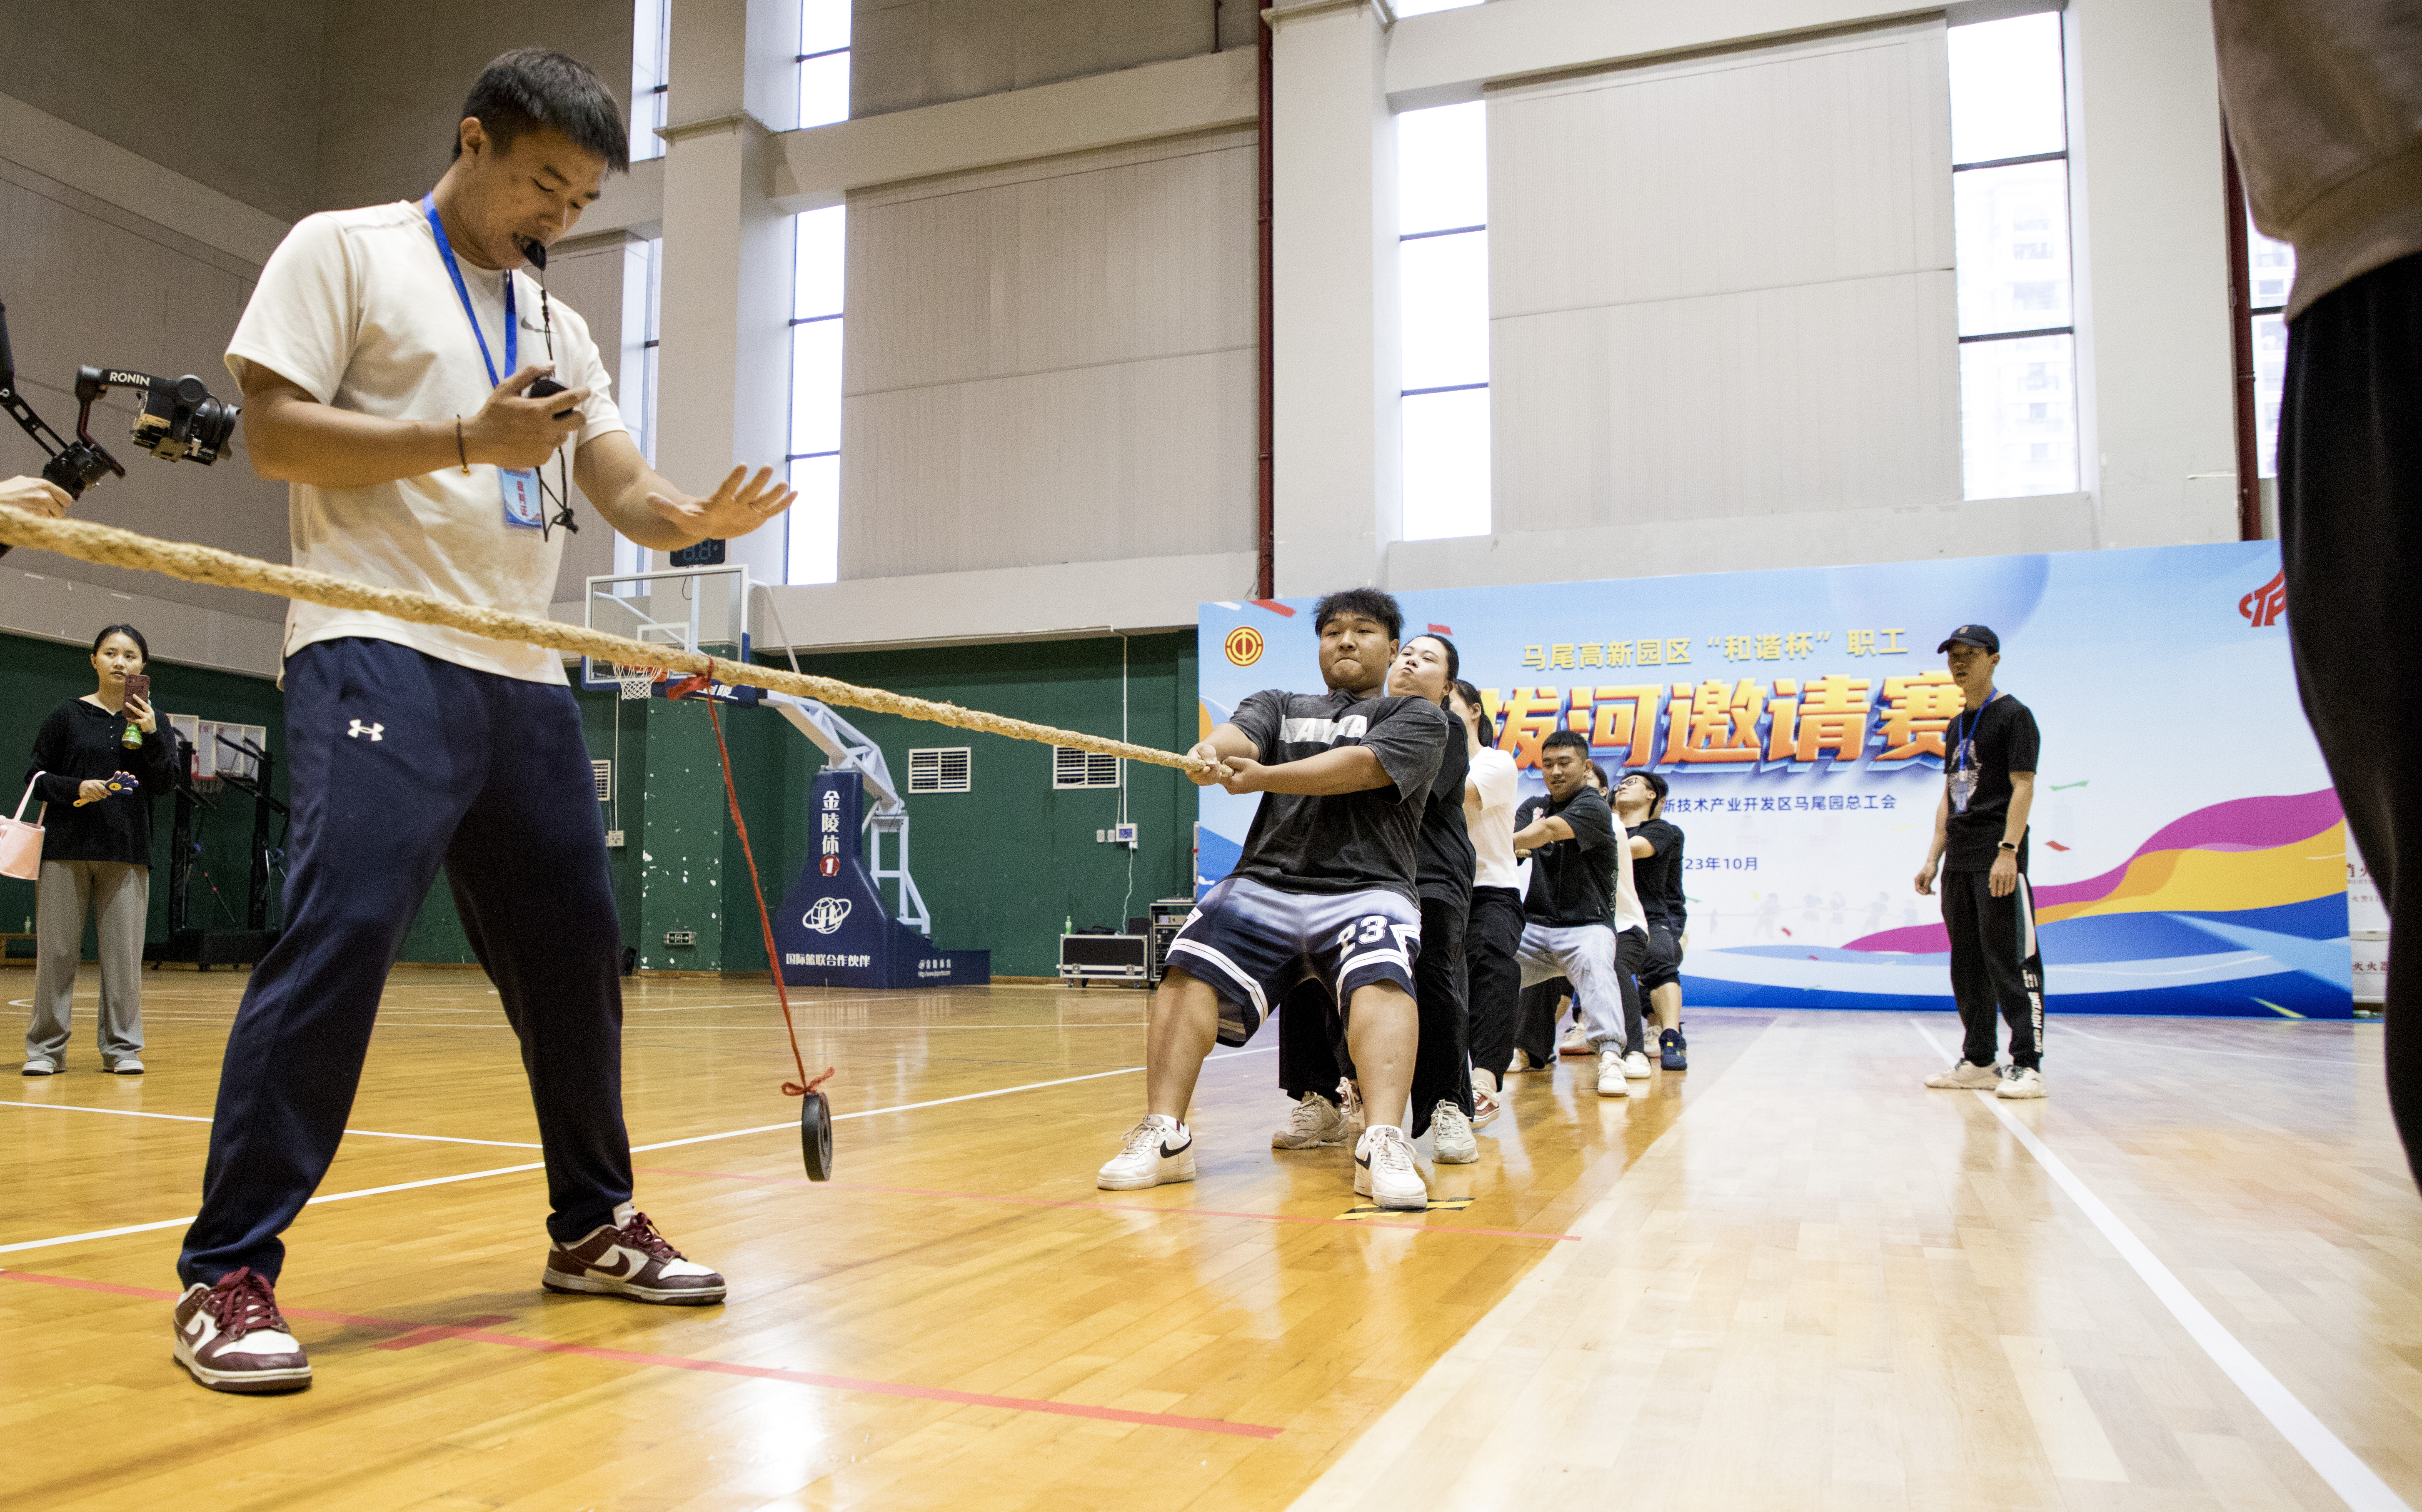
column 1384, row 1170
column 1635, row 1066
column 231, row 1337
column 1451, row 1132
column 1158, row 1149
column 1315, row 1122
column 1965, row 1076
column 42, row 1065
column 2021, row 1081
column 1610, row 1074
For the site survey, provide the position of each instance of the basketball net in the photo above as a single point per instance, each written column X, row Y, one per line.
column 637, row 681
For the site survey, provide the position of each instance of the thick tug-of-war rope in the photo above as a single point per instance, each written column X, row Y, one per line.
column 110, row 546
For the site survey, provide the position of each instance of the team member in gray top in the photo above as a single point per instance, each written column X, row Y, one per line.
column 1325, row 887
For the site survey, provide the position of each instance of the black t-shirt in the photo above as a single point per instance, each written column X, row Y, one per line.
column 1444, row 858
column 1572, row 881
column 1342, row 841
column 1659, row 876
column 1984, row 748
column 79, row 740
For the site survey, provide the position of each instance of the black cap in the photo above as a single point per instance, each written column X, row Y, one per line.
column 1972, row 635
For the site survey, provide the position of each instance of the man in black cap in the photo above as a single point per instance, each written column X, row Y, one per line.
column 1980, row 841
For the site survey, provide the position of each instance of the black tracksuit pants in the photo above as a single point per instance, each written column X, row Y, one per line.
column 1994, row 965
column 1311, row 1050
column 1492, row 980
column 2350, row 536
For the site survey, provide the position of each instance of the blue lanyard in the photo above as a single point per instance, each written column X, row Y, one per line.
column 513, row 326
column 1969, row 736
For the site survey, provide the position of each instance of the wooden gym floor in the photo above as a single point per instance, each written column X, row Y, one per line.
column 1790, row 1277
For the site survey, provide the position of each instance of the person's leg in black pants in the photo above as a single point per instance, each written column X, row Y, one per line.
column 1310, row 1058
column 1994, row 965
column 1442, row 1064
column 2350, row 539
column 1630, row 959
column 383, row 763
column 1492, row 977
column 1535, row 1018
column 529, row 874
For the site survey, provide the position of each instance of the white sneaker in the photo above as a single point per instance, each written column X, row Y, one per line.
column 1576, row 1042
column 1349, row 1104
column 1315, row 1122
column 2022, row 1081
column 42, row 1065
column 1522, row 1063
column 1635, row 1066
column 1967, row 1077
column 125, row 1065
column 1610, row 1074
column 1484, row 1108
column 1450, row 1134
column 1157, row 1150
column 1384, row 1170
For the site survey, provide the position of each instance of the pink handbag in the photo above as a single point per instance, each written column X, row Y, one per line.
column 21, row 844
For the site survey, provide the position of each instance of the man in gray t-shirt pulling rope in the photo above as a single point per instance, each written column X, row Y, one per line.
column 1325, row 887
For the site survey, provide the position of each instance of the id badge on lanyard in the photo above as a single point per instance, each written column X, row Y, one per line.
column 1966, row 770
column 524, row 504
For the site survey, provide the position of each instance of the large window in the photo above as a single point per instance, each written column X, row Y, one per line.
column 2271, row 272
column 1442, row 161
column 651, row 75
column 823, row 61
column 815, row 396
column 643, row 303
column 2009, row 197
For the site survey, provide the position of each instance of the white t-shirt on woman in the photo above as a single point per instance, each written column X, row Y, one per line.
column 1492, row 827
column 356, row 306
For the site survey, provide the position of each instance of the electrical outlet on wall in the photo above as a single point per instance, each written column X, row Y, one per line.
column 676, row 938
column 1125, row 835
column 613, row 840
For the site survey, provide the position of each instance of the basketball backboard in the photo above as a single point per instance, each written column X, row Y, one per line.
column 696, row 608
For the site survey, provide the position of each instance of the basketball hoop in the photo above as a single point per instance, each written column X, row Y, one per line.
column 637, row 681
column 207, row 787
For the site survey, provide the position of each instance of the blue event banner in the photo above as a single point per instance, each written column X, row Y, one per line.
column 2188, row 850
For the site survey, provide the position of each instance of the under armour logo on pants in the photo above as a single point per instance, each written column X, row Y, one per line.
column 376, row 732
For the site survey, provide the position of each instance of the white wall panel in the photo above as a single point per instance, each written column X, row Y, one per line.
column 1052, row 362
column 1722, row 287
column 1768, row 401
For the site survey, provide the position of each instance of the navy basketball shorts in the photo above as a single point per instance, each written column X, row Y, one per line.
column 1251, row 944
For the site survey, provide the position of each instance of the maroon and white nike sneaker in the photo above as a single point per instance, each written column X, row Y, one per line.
column 630, row 1259
column 231, row 1338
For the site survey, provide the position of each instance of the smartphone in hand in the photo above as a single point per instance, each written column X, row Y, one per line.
column 138, row 687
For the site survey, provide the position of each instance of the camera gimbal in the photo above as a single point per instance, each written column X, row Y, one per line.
column 178, row 419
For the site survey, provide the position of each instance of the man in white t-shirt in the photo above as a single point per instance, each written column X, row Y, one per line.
column 388, row 359
column 1492, row 976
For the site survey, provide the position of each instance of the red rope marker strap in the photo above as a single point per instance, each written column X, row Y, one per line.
column 764, row 921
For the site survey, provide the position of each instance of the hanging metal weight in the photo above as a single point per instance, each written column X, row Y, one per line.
column 815, row 1136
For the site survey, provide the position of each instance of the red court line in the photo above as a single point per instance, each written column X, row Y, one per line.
column 411, row 1334
column 1111, row 1207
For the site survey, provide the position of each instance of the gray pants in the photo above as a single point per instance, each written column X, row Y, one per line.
column 1585, row 955
column 122, row 892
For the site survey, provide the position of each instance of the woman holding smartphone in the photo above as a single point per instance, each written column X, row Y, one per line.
column 98, row 763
